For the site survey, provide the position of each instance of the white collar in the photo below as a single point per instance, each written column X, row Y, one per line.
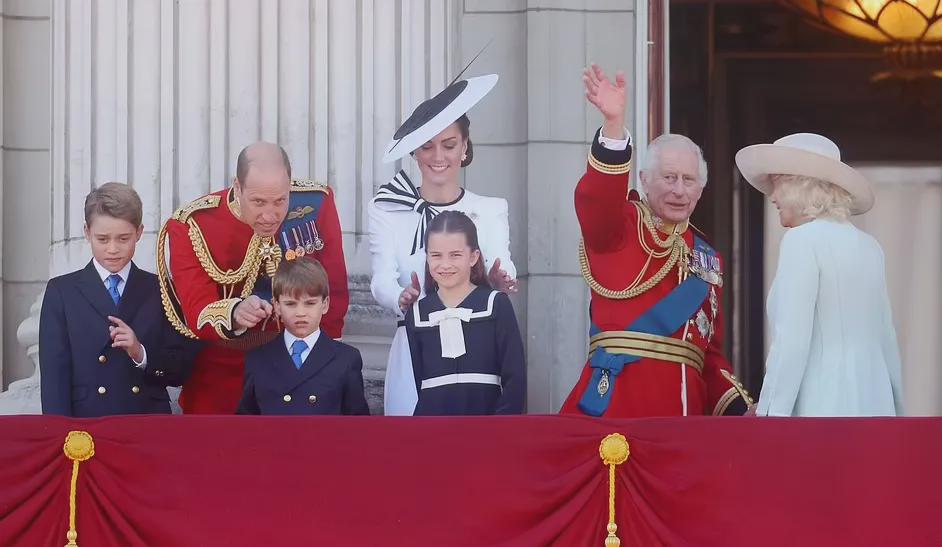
column 310, row 339
column 104, row 273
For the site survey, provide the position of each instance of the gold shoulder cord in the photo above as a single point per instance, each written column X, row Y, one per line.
column 166, row 287
column 674, row 248
column 259, row 250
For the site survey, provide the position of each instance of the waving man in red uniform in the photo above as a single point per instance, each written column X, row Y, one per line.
column 224, row 248
column 656, row 335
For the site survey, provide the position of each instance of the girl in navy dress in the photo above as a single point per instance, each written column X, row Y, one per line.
column 467, row 353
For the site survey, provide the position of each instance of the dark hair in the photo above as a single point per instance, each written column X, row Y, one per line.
column 243, row 162
column 456, row 222
column 114, row 199
column 300, row 277
column 464, row 126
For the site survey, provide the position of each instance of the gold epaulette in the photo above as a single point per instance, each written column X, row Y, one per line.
column 308, row 185
column 206, row 202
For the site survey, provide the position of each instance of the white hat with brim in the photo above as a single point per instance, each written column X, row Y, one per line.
column 805, row 154
column 434, row 115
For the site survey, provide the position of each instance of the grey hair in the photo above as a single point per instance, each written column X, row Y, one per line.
column 653, row 154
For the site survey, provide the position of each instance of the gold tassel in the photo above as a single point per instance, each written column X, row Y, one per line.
column 78, row 447
column 614, row 451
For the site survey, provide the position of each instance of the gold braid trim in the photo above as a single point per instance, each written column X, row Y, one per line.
column 218, row 314
column 598, row 165
column 736, row 391
column 675, row 248
column 167, row 293
column 308, row 185
column 249, row 264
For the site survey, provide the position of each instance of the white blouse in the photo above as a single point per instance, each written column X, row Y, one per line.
column 395, row 231
column 834, row 349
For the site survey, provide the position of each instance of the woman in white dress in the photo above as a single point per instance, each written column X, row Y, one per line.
column 834, row 349
column 437, row 137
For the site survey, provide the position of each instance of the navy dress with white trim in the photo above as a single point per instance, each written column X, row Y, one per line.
column 488, row 373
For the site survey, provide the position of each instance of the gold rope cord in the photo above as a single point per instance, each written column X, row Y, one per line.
column 614, row 451
column 260, row 250
column 228, row 277
column 675, row 249
column 166, row 287
column 79, row 447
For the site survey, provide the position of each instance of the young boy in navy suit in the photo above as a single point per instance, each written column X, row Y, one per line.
column 105, row 345
column 303, row 371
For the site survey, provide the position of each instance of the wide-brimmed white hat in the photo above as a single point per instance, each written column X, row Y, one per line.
column 432, row 116
column 806, row 154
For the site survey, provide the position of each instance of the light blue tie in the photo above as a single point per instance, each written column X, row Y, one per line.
column 113, row 281
column 297, row 348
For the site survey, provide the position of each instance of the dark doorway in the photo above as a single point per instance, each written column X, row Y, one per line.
column 752, row 71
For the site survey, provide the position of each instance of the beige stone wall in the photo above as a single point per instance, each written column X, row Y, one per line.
column 24, row 187
column 164, row 94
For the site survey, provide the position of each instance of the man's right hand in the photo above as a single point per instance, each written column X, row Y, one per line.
column 251, row 312
column 410, row 294
column 609, row 98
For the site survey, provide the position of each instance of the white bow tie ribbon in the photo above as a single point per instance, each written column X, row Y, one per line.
column 450, row 331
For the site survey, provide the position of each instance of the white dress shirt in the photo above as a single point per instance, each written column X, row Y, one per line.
column 834, row 349
column 123, row 274
column 310, row 340
column 615, row 144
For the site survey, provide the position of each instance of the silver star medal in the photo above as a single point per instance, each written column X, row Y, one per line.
column 703, row 324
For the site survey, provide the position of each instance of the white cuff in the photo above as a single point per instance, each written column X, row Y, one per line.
column 143, row 363
column 615, row 144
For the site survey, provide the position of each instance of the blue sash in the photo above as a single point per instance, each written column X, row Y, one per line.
column 298, row 230
column 663, row 319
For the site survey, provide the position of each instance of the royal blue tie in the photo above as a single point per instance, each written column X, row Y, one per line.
column 297, row 348
column 113, row 281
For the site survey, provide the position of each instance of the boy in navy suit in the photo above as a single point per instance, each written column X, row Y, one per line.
column 105, row 346
column 303, row 371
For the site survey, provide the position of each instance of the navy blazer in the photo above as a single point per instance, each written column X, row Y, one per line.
column 330, row 381
column 81, row 375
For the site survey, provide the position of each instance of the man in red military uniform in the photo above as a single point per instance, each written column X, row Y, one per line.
column 656, row 340
column 224, row 248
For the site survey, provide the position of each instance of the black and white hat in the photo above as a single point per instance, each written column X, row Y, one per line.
column 434, row 115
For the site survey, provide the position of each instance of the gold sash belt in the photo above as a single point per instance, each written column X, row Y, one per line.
column 648, row 345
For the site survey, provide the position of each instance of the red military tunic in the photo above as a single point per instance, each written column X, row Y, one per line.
column 611, row 233
column 213, row 255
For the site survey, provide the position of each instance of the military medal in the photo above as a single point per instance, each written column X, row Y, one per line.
column 317, row 241
column 299, row 250
column 706, row 267
column 309, row 245
column 289, row 253
column 604, row 384
column 703, row 324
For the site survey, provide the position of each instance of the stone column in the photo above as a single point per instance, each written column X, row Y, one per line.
column 25, row 171
column 536, row 132
column 164, row 95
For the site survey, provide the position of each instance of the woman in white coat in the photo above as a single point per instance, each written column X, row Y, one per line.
column 834, row 349
column 437, row 137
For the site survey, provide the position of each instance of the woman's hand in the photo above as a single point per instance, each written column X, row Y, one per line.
column 501, row 280
column 410, row 294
